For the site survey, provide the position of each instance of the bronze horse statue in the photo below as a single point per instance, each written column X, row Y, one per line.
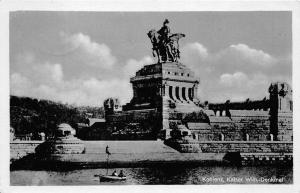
column 168, row 51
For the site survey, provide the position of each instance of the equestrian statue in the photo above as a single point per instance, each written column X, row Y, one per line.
column 165, row 45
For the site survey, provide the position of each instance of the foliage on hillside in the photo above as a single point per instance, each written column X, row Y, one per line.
column 28, row 115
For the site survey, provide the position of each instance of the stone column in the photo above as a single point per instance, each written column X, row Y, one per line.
column 187, row 95
column 166, row 90
column 195, row 92
column 190, row 94
column 159, row 90
column 184, row 94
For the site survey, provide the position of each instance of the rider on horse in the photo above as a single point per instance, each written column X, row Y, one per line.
column 164, row 33
column 165, row 44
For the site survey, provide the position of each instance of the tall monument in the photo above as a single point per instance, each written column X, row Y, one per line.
column 168, row 87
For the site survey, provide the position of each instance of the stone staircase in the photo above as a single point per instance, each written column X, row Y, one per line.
column 178, row 106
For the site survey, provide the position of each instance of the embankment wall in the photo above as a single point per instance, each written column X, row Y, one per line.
column 19, row 149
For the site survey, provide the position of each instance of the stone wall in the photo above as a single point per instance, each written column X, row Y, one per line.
column 19, row 149
column 285, row 126
column 237, row 125
column 246, row 146
column 266, row 158
column 134, row 125
column 250, row 125
column 246, row 105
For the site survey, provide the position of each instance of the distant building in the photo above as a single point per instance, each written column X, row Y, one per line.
column 91, row 130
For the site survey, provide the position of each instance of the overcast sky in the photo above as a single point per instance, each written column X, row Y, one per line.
column 84, row 57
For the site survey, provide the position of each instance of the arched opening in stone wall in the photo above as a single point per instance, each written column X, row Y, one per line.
column 217, row 113
column 183, row 93
column 247, row 137
column 177, row 92
column 271, row 137
column 170, row 92
column 221, row 137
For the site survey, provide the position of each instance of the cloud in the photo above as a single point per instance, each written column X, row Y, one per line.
column 133, row 65
column 240, row 86
column 37, row 74
column 237, row 56
column 90, row 91
column 19, row 84
column 46, row 80
column 242, row 81
column 196, row 56
column 87, row 72
column 243, row 58
column 47, row 73
column 92, row 53
column 245, row 55
column 238, row 78
column 236, row 72
column 195, row 48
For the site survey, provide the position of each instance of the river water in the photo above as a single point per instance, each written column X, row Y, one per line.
column 160, row 175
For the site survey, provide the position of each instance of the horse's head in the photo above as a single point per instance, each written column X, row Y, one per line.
column 151, row 33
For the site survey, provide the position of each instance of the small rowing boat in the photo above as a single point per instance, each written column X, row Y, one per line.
column 105, row 178
column 114, row 176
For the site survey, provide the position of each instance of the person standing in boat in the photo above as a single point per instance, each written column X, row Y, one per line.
column 108, row 153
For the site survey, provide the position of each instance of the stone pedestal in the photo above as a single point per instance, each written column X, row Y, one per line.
column 64, row 142
column 169, row 88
